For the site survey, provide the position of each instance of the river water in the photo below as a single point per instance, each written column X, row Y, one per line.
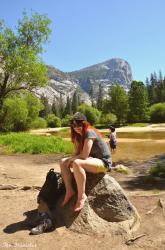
column 139, row 145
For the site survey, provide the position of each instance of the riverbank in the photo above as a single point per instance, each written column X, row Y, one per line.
column 149, row 128
column 133, row 143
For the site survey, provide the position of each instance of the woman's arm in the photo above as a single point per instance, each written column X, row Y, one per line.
column 85, row 152
column 76, row 153
column 86, row 149
column 76, row 148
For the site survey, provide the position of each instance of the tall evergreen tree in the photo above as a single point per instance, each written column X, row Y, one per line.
column 91, row 94
column 147, row 81
column 155, row 77
column 55, row 108
column 88, row 84
column 156, row 88
column 160, row 76
column 119, row 103
column 61, row 107
column 68, row 107
column 75, row 102
column 152, row 95
column 138, row 102
column 100, row 97
column 46, row 107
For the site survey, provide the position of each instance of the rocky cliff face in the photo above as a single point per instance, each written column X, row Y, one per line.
column 61, row 85
column 114, row 71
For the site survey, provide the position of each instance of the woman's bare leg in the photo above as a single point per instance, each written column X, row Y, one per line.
column 80, row 177
column 79, row 168
column 67, row 178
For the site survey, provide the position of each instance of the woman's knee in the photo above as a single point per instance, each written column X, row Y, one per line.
column 63, row 161
column 76, row 163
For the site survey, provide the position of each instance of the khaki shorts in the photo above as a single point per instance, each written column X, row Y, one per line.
column 101, row 169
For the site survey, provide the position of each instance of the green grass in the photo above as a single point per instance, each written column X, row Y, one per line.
column 138, row 124
column 34, row 144
column 158, row 170
column 122, row 169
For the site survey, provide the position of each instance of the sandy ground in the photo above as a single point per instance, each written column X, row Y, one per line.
column 30, row 170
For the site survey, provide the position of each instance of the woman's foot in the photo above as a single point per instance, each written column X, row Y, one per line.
column 67, row 197
column 80, row 203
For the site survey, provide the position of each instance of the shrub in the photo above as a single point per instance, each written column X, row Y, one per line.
column 38, row 123
column 65, row 122
column 16, row 114
column 53, row 121
column 108, row 119
column 157, row 112
column 158, row 169
column 92, row 114
column 34, row 106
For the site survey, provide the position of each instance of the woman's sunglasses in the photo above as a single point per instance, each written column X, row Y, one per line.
column 76, row 124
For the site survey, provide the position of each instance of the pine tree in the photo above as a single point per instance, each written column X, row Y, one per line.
column 75, row 102
column 152, row 89
column 147, row 81
column 91, row 94
column 138, row 102
column 88, row 84
column 100, row 97
column 46, row 107
column 55, row 108
column 61, row 107
column 156, row 88
column 68, row 107
column 118, row 103
column 160, row 76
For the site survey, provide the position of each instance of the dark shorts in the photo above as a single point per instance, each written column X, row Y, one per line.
column 107, row 162
column 112, row 144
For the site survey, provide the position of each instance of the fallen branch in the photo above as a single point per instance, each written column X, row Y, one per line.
column 151, row 211
column 161, row 203
column 131, row 241
column 30, row 188
column 11, row 187
column 8, row 187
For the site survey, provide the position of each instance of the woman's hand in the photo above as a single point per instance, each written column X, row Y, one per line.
column 84, row 154
column 71, row 160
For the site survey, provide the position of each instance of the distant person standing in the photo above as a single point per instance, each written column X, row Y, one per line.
column 112, row 137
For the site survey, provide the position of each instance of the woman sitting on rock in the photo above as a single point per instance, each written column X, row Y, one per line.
column 92, row 155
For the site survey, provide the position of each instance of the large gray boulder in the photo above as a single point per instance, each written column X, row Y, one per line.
column 107, row 209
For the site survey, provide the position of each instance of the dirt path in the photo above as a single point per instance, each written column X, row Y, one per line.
column 30, row 170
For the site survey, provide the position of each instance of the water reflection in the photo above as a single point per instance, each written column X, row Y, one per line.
column 154, row 135
column 139, row 145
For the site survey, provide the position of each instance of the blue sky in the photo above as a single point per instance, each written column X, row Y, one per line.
column 87, row 32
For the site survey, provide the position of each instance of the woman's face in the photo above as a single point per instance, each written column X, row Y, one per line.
column 77, row 126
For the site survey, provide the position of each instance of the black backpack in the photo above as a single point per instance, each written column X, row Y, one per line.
column 52, row 188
